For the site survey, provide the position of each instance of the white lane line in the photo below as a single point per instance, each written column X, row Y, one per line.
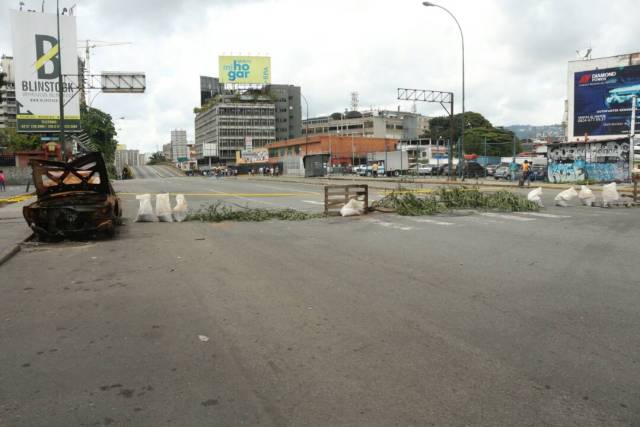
column 391, row 225
column 313, row 202
column 431, row 221
column 544, row 215
column 509, row 217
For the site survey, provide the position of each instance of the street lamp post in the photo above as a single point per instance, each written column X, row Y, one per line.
column 306, row 132
column 429, row 4
column 62, row 142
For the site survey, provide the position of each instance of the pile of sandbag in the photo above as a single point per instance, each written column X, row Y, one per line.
column 352, row 208
column 163, row 211
column 586, row 196
column 535, row 196
column 610, row 194
column 564, row 197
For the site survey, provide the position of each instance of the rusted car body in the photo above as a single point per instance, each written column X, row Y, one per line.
column 75, row 199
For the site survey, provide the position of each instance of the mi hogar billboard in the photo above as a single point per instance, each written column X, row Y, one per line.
column 602, row 100
column 244, row 69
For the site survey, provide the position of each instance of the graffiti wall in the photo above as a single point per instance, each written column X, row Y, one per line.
column 597, row 161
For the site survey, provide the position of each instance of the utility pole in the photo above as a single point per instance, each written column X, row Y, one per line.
column 63, row 145
column 486, row 161
column 632, row 135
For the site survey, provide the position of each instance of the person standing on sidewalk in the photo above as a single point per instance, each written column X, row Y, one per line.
column 374, row 170
column 2, row 180
column 513, row 167
column 526, row 170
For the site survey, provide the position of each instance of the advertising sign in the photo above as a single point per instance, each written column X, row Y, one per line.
column 244, row 69
column 602, row 100
column 37, row 68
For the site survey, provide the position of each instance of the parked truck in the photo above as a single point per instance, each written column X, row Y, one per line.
column 390, row 163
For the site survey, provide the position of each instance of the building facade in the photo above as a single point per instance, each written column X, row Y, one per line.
column 231, row 120
column 369, row 124
column 126, row 157
column 7, row 94
column 178, row 146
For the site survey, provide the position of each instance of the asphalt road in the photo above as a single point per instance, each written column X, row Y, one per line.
column 474, row 319
column 155, row 171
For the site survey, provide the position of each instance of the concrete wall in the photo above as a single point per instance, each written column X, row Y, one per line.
column 17, row 176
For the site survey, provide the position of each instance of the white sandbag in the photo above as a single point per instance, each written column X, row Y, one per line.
column 352, row 208
column 145, row 211
column 163, row 207
column 566, row 196
column 535, row 196
column 180, row 209
column 609, row 194
column 586, row 196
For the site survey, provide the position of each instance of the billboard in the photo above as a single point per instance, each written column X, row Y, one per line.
column 244, row 69
column 602, row 100
column 37, row 68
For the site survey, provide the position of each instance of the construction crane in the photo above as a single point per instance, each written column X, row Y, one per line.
column 88, row 45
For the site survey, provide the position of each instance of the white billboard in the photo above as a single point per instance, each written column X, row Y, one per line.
column 37, row 68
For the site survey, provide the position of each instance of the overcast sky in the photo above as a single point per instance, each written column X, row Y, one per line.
column 516, row 52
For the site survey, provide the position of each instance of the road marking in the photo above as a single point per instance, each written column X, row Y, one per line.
column 509, row 217
column 313, row 202
column 544, row 215
column 222, row 194
column 431, row 221
column 391, row 225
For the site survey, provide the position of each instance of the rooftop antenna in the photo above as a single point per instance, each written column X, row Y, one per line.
column 355, row 101
column 585, row 54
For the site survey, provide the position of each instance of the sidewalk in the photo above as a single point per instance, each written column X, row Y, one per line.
column 13, row 229
column 14, row 190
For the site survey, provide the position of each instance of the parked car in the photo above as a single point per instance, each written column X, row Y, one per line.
column 426, row 169
column 471, row 170
column 491, row 169
column 442, row 169
column 75, row 199
column 503, row 172
column 538, row 173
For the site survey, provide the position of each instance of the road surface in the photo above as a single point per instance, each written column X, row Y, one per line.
column 155, row 171
column 474, row 319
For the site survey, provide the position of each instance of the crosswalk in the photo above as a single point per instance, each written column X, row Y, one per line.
column 404, row 223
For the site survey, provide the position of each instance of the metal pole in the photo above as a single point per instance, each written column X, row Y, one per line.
column 451, row 131
column 632, row 135
column 63, row 145
column 306, row 133
column 486, row 161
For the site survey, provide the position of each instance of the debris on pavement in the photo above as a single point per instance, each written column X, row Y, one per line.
column 609, row 194
column 535, row 196
column 218, row 212
column 565, row 196
column 352, row 208
column 145, row 211
column 180, row 211
column 586, row 196
column 203, row 338
column 163, row 207
column 75, row 199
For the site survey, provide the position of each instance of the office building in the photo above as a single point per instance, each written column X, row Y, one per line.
column 7, row 94
column 369, row 124
column 178, row 146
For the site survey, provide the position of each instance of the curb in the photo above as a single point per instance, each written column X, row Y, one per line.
column 7, row 254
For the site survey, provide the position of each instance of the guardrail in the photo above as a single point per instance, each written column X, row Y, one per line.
column 336, row 196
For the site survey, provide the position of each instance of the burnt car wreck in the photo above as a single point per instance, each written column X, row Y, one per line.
column 75, row 199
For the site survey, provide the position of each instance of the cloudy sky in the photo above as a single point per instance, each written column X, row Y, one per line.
column 516, row 52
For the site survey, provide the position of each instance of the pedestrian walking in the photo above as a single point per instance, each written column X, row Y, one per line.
column 513, row 167
column 526, row 170
column 2, row 180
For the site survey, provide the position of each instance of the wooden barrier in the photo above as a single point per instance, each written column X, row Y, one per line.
column 336, row 196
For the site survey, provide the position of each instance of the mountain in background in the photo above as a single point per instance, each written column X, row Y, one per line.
column 532, row 132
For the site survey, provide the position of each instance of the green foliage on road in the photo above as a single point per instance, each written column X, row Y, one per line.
column 451, row 198
column 218, row 212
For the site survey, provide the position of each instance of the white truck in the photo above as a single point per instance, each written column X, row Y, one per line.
column 390, row 163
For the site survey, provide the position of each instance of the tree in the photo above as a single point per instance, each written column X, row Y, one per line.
column 156, row 158
column 98, row 125
column 499, row 140
column 14, row 141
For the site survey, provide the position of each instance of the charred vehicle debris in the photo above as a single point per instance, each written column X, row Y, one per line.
column 75, row 199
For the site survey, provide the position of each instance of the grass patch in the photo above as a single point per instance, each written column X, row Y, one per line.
column 218, row 212
column 450, row 198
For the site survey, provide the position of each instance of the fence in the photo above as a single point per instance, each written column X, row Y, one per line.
column 336, row 196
